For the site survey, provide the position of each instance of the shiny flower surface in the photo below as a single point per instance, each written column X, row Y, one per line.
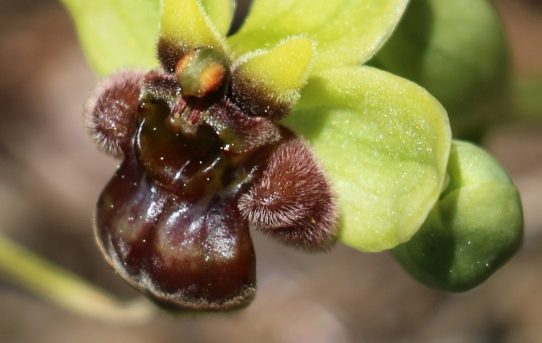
column 217, row 141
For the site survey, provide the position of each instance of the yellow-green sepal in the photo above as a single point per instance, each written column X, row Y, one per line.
column 384, row 143
column 347, row 32
column 268, row 82
column 221, row 13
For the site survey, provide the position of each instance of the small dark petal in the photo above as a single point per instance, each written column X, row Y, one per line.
column 169, row 53
column 241, row 133
column 253, row 99
column 111, row 113
column 292, row 200
column 160, row 86
column 192, row 255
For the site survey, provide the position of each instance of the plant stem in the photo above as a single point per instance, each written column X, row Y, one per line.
column 65, row 288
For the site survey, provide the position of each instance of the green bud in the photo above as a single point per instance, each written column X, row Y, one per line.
column 475, row 227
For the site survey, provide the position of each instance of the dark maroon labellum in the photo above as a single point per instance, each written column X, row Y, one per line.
column 197, row 173
column 194, row 254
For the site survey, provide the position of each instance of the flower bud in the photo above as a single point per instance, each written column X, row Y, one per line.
column 474, row 228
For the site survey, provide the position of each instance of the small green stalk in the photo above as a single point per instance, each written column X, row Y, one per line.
column 64, row 288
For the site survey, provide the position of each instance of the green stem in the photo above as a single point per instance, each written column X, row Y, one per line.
column 65, row 288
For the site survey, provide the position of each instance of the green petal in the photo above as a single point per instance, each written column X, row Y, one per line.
column 474, row 229
column 457, row 51
column 347, row 31
column 221, row 13
column 384, row 143
column 185, row 24
column 267, row 82
column 117, row 33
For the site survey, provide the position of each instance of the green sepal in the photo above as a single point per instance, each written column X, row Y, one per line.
column 384, row 143
column 221, row 13
column 347, row 32
column 122, row 34
column 117, row 34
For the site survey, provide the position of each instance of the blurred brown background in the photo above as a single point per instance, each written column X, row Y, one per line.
column 51, row 174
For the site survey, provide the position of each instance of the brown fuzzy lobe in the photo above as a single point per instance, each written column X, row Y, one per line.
column 253, row 99
column 160, row 86
column 292, row 201
column 111, row 113
column 241, row 133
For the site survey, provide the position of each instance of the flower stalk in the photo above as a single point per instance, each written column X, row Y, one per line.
column 65, row 289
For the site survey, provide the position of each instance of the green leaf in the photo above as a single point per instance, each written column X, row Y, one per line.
column 384, row 142
column 348, row 32
column 186, row 25
column 117, row 34
column 473, row 230
column 457, row 51
column 273, row 77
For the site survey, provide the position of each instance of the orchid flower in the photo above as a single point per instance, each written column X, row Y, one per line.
column 278, row 127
